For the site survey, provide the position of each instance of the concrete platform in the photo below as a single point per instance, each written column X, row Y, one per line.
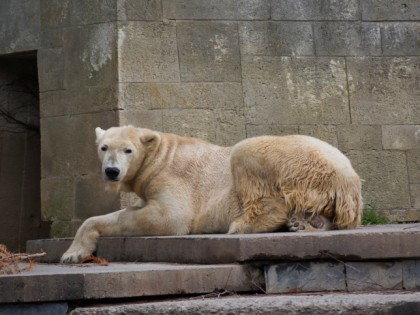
column 122, row 280
column 396, row 303
column 384, row 242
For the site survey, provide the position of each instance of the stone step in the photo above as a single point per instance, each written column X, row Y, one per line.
column 384, row 242
column 51, row 282
column 356, row 304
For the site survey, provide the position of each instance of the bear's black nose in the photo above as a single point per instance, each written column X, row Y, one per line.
column 112, row 172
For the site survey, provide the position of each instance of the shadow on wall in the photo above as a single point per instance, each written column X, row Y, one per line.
column 20, row 152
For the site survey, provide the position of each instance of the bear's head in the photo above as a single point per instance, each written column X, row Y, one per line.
column 122, row 151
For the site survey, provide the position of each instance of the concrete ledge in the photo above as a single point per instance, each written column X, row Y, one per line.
column 384, row 242
column 76, row 282
column 326, row 304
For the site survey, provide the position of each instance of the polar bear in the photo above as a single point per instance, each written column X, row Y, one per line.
column 189, row 186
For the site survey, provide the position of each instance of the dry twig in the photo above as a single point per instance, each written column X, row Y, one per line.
column 11, row 263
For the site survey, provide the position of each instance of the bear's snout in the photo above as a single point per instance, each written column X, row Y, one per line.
column 112, row 173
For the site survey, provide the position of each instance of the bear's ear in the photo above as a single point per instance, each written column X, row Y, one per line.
column 99, row 133
column 150, row 138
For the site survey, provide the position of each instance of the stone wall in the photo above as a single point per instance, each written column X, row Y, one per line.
column 345, row 71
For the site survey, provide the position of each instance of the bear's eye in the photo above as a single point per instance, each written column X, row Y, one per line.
column 104, row 148
column 128, row 151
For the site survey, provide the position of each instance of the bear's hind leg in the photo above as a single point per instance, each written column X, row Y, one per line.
column 308, row 222
column 266, row 215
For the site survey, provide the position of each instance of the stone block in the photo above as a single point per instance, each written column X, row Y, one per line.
column 141, row 96
column 359, row 137
column 54, row 13
column 148, row 52
column 415, row 195
column 140, row 10
column 90, row 55
column 93, row 199
column 401, row 137
column 384, row 90
column 401, row 215
column 315, row 10
column 50, row 69
column 51, row 38
column 411, row 275
column 199, row 123
column 305, row 277
column 83, row 12
column 276, row 38
column 98, row 54
column 57, row 198
column 77, row 101
column 60, row 229
column 35, row 309
column 216, row 9
column 347, row 39
column 276, row 130
column 151, row 119
column 413, row 163
column 68, row 143
column 20, row 26
column 401, row 38
column 326, row 133
column 293, row 91
column 385, row 178
column 370, row 276
column 209, row 51
column 399, row 10
column 230, row 126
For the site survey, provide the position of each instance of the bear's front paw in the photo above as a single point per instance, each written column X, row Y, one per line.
column 74, row 256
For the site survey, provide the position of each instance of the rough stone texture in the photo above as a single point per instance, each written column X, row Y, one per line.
column 61, row 160
column 347, row 39
column 359, row 137
column 208, row 51
column 142, row 10
column 141, row 96
column 317, row 304
column 411, row 275
column 276, row 38
column 365, row 276
column 51, row 67
column 413, row 163
column 216, row 9
column 391, row 242
column 57, row 198
column 275, row 129
column 415, row 195
column 401, row 39
column 305, row 277
column 151, row 119
column 401, row 215
column 382, row 190
column 35, row 309
column 92, row 198
column 64, row 283
column 309, row 91
column 378, row 10
column 401, row 137
column 315, row 10
column 148, row 52
column 64, row 228
column 384, row 90
column 19, row 26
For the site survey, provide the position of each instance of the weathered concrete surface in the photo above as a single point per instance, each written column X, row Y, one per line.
column 330, row 304
column 375, row 242
column 118, row 280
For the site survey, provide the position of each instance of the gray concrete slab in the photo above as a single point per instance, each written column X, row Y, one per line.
column 398, row 241
column 355, row 304
column 119, row 280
